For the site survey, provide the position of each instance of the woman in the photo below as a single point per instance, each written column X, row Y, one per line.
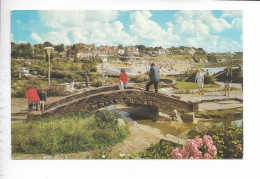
column 228, row 79
column 200, row 80
column 122, row 81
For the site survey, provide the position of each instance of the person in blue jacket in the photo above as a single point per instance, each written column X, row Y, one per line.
column 154, row 75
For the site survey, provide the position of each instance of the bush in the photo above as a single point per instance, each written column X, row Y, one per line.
column 66, row 134
column 207, row 78
column 96, row 82
column 58, row 91
column 228, row 140
column 140, row 78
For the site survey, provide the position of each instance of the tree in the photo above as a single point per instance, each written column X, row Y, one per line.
column 48, row 44
column 141, row 48
column 60, row 48
column 120, row 46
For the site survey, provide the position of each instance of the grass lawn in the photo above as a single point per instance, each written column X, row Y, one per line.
column 189, row 85
column 68, row 134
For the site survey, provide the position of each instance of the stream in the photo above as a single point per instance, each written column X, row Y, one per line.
column 178, row 129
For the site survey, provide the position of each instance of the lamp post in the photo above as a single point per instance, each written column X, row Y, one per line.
column 49, row 49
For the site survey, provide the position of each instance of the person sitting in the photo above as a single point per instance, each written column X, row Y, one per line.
column 33, row 98
column 122, row 81
column 43, row 98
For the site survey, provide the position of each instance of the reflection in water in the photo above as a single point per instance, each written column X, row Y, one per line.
column 178, row 129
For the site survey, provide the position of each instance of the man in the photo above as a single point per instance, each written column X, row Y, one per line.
column 228, row 79
column 33, row 98
column 154, row 78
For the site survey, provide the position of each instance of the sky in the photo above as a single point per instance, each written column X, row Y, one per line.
column 214, row 31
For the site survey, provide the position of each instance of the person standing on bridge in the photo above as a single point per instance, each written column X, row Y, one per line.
column 122, row 81
column 154, row 75
column 200, row 80
column 72, row 82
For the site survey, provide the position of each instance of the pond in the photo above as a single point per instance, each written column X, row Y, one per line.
column 178, row 129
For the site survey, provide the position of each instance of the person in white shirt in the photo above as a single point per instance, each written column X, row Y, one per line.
column 200, row 80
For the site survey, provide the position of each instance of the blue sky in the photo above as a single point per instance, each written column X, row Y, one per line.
column 214, row 31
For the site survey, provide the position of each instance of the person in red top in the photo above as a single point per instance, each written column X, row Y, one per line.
column 122, row 81
column 33, row 98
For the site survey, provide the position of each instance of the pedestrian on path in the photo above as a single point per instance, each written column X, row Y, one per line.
column 122, row 81
column 154, row 75
column 200, row 80
column 33, row 98
column 228, row 80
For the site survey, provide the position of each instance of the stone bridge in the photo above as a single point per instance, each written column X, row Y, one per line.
column 105, row 96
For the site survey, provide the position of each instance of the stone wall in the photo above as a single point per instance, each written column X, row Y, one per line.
column 88, row 103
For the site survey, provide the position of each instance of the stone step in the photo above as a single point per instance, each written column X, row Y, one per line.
column 19, row 118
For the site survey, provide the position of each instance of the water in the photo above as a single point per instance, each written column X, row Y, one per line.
column 214, row 70
column 178, row 129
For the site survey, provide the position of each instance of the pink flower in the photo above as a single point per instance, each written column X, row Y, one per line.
column 207, row 156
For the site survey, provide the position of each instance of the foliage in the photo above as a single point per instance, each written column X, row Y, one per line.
column 96, row 82
column 228, row 140
column 207, row 78
column 140, row 78
column 67, row 134
column 196, row 149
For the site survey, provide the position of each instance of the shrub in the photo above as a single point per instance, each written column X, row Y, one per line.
column 96, row 82
column 140, row 78
column 228, row 140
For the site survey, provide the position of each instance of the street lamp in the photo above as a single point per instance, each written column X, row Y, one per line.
column 49, row 49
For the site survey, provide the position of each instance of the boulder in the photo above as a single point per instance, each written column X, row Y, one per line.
column 188, row 117
column 176, row 116
column 200, row 128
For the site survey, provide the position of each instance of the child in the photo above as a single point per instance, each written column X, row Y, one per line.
column 122, row 81
column 43, row 98
column 33, row 98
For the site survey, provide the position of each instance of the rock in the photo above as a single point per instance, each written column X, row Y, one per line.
column 176, row 116
column 121, row 122
column 175, row 139
column 188, row 117
column 200, row 128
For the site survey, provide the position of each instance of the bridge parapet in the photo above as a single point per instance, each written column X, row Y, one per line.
column 84, row 94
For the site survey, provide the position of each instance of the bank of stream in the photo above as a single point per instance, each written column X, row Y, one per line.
column 179, row 129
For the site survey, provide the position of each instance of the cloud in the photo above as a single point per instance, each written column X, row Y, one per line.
column 232, row 14
column 143, row 29
column 36, row 37
column 99, row 27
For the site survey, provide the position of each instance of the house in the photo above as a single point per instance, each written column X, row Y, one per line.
column 84, row 54
column 63, row 55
